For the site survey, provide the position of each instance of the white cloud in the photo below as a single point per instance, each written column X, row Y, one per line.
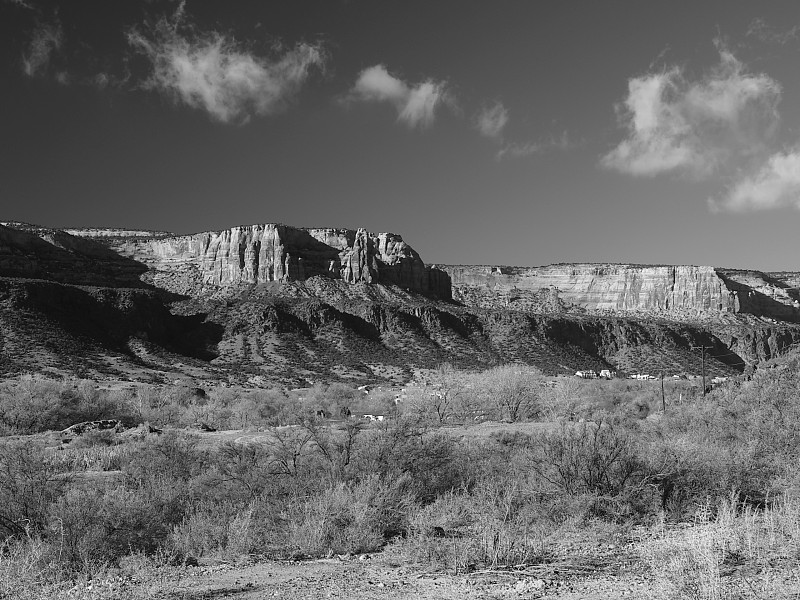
column 416, row 105
column 213, row 73
column 775, row 184
column 47, row 38
column 492, row 120
column 676, row 124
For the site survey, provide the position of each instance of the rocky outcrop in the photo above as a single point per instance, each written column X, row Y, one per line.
column 264, row 253
column 87, row 426
column 670, row 291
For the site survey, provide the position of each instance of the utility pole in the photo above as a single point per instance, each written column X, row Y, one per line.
column 663, row 401
column 703, row 349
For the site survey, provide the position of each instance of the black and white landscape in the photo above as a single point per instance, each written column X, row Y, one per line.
column 400, row 299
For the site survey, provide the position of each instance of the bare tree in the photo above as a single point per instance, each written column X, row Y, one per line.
column 514, row 390
column 336, row 445
column 447, row 387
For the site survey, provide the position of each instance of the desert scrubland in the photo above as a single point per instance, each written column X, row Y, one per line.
column 505, row 481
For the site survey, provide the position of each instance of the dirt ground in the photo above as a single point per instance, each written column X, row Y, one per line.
column 368, row 577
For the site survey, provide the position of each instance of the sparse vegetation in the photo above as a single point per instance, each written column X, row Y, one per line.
column 425, row 484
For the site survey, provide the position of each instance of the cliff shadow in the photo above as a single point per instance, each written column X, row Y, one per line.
column 753, row 302
column 193, row 336
column 53, row 255
column 81, row 317
column 316, row 256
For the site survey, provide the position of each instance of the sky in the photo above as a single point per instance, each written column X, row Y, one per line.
column 504, row 132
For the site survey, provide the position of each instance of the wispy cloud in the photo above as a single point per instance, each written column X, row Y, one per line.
column 20, row 3
column 491, row 121
column 675, row 124
column 523, row 149
column 776, row 184
column 760, row 30
column 416, row 105
column 213, row 73
column 47, row 38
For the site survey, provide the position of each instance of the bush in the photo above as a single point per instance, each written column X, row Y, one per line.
column 355, row 518
column 29, row 484
column 429, row 462
column 217, row 530
column 589, row 458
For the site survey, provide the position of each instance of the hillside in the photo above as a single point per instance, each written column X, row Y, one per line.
column 273, row 303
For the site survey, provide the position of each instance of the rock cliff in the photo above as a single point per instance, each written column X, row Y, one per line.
column 264, row 253
column 669, row 291
column 277, row 303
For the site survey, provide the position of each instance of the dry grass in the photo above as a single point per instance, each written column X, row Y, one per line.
column 737, row 553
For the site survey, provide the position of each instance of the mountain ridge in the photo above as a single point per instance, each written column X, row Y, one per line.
column 273, row 303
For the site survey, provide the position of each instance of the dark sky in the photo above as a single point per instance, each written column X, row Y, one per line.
column 521, row 133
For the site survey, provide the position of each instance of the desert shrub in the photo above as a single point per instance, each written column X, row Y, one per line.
column 349, row 517
column 732, row 551
column 35, row 403
column 243, row 472
column 77, row 532
column 691, row 471
column 336, row 445
column 740, row 437
column 495, row 524
column 218, row 530
column 273, row 407
column 172, row 455
column 29, row 483
column 598, row 459
column 430, row 462
column 26, row 567
column 93, row 526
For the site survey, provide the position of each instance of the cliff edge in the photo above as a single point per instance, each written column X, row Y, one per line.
column 255, row 254
column 676, row 292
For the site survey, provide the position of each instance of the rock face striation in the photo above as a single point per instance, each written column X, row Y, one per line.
column 277, row 303
column 672, row 291
column 263, row 253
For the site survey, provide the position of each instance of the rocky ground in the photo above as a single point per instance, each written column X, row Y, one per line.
column 376, row 576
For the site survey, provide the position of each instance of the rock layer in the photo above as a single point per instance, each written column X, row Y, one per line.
column 606, row 288
column 262, row 253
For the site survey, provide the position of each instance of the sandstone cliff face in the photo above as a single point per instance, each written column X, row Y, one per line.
column 263, row 253
column 667, row 290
